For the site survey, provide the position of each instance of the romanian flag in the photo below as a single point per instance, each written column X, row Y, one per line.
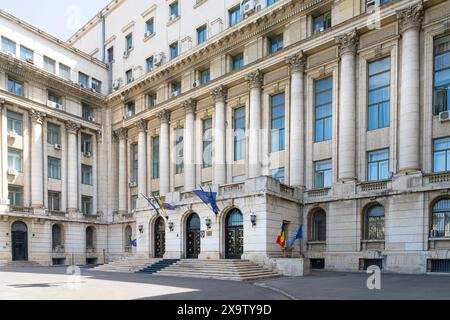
column 281, row 239
column 162, row 204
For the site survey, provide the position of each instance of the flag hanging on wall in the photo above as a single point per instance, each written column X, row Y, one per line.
column 162, row 204
column 151, row 203
column 281, row 239
column 208, row 198
column 133, row 241
column 298, row 235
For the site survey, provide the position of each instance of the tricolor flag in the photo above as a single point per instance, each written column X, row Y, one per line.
column 281, row 239
column 162, row 204
column 151, row 203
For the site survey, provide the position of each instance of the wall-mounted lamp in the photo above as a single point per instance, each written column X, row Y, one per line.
column 141, row 228
column 171, row 226
column 208, row 223
column 253, row 219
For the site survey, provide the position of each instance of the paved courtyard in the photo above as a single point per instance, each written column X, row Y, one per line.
column 54, row 283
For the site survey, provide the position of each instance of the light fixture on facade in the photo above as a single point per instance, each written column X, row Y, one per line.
column 208, row 223
column 171, row 226
column 253, row 219
column 141, row 228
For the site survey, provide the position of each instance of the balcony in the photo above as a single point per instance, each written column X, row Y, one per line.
column 374, row 186
column 317, row 246
column 372, row 245
column 438, row 178
column 318, row 193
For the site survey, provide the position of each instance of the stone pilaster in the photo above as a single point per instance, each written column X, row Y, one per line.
column 219, row 160
column 122, row 135
column 37, row 159
column 190, row 106
column 164, row 153
column 4, row 201
column 142, row 159
column 72, row 129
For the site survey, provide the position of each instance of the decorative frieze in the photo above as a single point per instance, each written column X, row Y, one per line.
column 37, row 116
column 411, row 17
column 190, row 106
column 72, row 127
column 220, row 93
column 141, row 125
column 255, row 79
column 348, row 42
column 164, row 116
column 121, row 134
column 297, row 62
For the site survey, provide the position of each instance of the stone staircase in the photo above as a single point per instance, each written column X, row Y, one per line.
column 126, row 265
column 19, row 264
column 154, row 268
column 236, row 270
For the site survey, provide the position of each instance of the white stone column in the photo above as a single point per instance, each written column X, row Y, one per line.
column 297, row 64
column 219, row 161
column 164, row 155
column 142, row 160
column 99, row 173
column 347, row 106
column 255, row 81
column 122, row 135
column 410, row 20
column 190, row 107
column 72, row 166
column 37, row 160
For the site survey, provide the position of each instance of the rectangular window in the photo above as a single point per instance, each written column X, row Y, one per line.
column 234, row 15
column 176, row 88
column 134, row 200
column 179, row 151
column 26, row 54
column 150, row 26
column 15, row 196
column 53, row 134
column 278, row 122
column 442, row 74
column 324, row 109
column 64, row 71
column 207, row 143
column 111, row 55
column 14, row 122
column 279, row 174
column 86, row 205
column 8, row 46
column 49, row 65
column 239, row 134
column 322, row 22
column 56, row 99
column 378, row 165
column 151, row 100
column 16, row 87
column 54, row 201
column 205, row 76
column 54, row 168
column 129, row 76
column 442, row 155
column 87, row 112
column 379, row 93
column 86, row 175
column 134, row 162
column 276, row 43
column 86, row 143
column 174, row 9
column 323, row 177
column 83, row 80
column 15, row 159
column 129, row 42
column 131, row 109
column 96, row 85
column 237, row 61
column 150, row 64
column 155, row 158
column 173, row 50
column 202, row 34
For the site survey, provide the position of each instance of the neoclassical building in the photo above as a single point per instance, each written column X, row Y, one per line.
column 328, row 114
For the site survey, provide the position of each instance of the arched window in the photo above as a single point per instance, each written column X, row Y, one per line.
column 374, row 223
column 319, row 226
column 193, row 222
column 128, row 234
column 441, row 219
column 90, row 238
column 57, row 236
column 235, row 218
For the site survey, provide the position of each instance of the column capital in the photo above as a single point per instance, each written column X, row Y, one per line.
column 410, row 17
column 121, row 133
column 2, row 102
column 220, row 93
column 255, row 79
column 141, row 125
column 37, row 116
column 190, row 106
column 348, row 42
column 297, row 62
column 72, row 127
column 164, row 116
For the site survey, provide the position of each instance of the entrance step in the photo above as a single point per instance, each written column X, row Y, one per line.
column 236, row 270
column 20, row 264
column 159, row 266
column 126, row 265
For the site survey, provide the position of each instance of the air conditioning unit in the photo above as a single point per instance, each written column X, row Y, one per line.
column 130, row 114
column 12, row 135
column 148, row 34
column 57, row 147
column 82, row 85
column 59, row 106
column 91, row 119
column 130, row 79
column 87, row 154
column 196, row 84
column 52, row 104
column 175, row 93
column 158, row 59
column 132, row 184
column 248, row 6
column 444, row 116
column 173, row 17
column 12, row 172
column 29, row 60
column 116, row 85
column 372, row 4
column 126, row 54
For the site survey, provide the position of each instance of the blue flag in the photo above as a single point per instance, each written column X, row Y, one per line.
column 151, row 203
column 209, row 198
column 298, row 235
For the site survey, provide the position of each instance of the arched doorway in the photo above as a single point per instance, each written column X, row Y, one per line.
column 234, row 235
column 90, row 239
column 57, row 237
column 160, row 238
column 19, row 239
column 193, row 236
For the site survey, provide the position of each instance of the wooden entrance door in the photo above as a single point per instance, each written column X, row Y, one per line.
column 234, row 235
column 19, row 240
column 160, row 238
column 193, row 241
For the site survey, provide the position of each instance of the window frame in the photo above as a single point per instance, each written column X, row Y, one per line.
column 378, row 220
column 54, row 168
column 323, row 119
column 323, row 172
column 379, row 163
column 207, row 140
column 280, row 132
column 239, row 137
column 379, row 104
column 15, row 157
column 435, row 111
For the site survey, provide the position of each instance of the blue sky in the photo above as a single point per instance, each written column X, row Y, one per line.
column 60, row 18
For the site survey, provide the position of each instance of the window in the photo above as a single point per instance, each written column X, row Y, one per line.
column 49, row 65
column 278, row 122
column 15, row 196
column 442, row 155
column 64, row 71
column 173, row 50
column 151, row 100
column 96, row 85
column 14, row 122
column 374, row 224
column 276, row 43
column 131, row 109
column 322, row 22
column 86, row 175
column 8, row 46
column 205, row 76
column 129, row 76
column 207, row 143
column 271, row 2
column 53, row 134
column 441, row 74
column 379, row 94
column 150, row 26
column 16, row 87
column 378, row 165
column 26, row 54
column 83, row 80
column 86, row 143
column 323, row 174
column 14, row 159
column 237, row 61
column 150, row 64
column 155, row 158
column 88, row 112
column 86, row 207
column 90, row 237
column 279, row 174
column 234, row 15
column 179, row 151
column 53, row 97
column 129, row 42
column 441, row 219
column 110, row 55
column 134, row 162
column 319, row 226
column 173, row 8
column 54, row 201
column 324, row 109
column 239, row 134
column 54, row 168
column 202, row 34
column 134, row 200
